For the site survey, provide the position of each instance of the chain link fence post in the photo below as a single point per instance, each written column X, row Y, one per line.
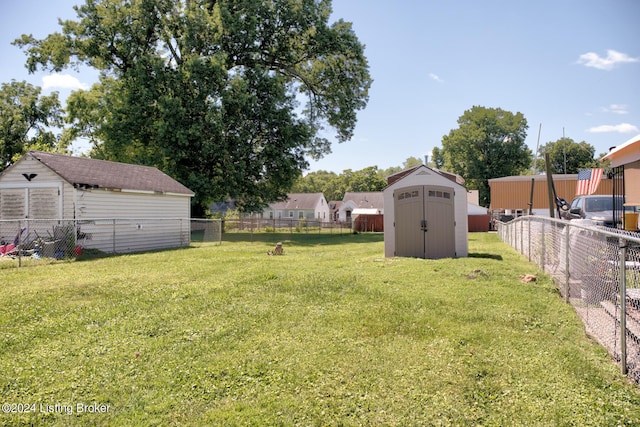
column 529, row 237
column 566, row 263
column 19, row 243
column 623, row 307
column 542, row 246
column 113, row 237
column 521, row 236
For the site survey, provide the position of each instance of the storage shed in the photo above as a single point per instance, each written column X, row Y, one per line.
column 114, row 207
column 426, row 215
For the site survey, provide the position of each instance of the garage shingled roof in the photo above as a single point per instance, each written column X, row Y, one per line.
column 94, row 173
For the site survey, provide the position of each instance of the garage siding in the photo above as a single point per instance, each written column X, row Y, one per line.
column 129, row 222
column 116, row 204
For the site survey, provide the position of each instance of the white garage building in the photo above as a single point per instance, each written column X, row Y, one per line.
column 115, row 207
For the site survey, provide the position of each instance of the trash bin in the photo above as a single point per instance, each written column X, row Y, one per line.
column 631, row 221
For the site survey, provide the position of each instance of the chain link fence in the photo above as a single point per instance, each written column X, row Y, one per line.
column 206, row 231
column 284, row 226
column 597, row 271
column 36, row 241
column 29, row 241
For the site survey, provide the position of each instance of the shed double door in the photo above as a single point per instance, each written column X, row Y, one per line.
column 424, row 222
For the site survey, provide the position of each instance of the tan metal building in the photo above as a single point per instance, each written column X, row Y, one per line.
column 513, row 192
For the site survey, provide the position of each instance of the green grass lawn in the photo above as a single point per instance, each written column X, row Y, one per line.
column 331, row 333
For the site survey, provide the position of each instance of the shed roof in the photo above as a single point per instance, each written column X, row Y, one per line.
column 94, row 173
column 392, row 179
column 473, row 209
column 400, row 175
column 365, row 211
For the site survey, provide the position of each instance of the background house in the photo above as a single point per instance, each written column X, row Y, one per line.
column 103, row 199
column 334, row 210
column 365, row 210
column 222, row 208
column 309, row 206
column 344, row 210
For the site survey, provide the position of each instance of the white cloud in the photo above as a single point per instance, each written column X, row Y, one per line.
column 621, row 128
column 435, row 77
column 613, row 59
column 616, row 109
column 62, row 81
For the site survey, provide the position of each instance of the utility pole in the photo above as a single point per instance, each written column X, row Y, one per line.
column 550, row 189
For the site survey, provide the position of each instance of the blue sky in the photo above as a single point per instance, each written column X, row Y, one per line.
column 571, row 66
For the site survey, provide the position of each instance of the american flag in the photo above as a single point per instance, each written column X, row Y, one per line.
column 588, row 181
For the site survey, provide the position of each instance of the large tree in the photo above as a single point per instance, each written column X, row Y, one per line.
column 27, row 120
column 438, row 157
column 334, row 186
column 489, row 143
column 210, row 90
column 567, row 156
column 313, row 182
column 364, row 180
column 408, row 163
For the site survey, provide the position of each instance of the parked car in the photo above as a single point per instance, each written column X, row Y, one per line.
column 598, row 209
